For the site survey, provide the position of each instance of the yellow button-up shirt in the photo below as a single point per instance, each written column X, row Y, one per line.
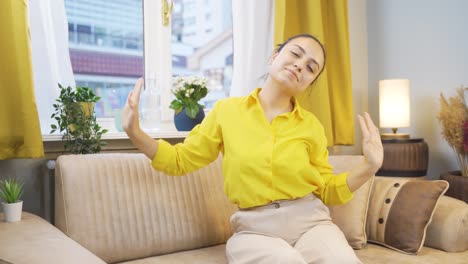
column 262, row 161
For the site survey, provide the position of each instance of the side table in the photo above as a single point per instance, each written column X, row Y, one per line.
column 404, row 158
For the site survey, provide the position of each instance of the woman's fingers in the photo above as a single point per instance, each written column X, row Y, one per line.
column 364, row 129
column 372, row 128
column 137, row 91
column 133, row 98
column 129, row 97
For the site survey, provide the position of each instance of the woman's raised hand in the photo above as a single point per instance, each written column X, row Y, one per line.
column 371, row 142
column 130, row 122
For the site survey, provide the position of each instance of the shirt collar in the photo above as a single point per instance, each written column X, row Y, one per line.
column 252, row 98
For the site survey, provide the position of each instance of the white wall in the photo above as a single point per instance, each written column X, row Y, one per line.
column 425, row 41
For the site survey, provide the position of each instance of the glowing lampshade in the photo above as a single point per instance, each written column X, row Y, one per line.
column 394, row 103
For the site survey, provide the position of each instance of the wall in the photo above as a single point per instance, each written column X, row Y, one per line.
column 34, row 174
column 425, row 41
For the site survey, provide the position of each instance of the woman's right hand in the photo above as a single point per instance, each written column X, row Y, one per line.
column 131, row 125
column 130, row 122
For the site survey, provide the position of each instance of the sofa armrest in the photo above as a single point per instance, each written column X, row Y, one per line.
column 448, row 230
column 34, row 240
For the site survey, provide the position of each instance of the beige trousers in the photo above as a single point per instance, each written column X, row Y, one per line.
column 289, row 232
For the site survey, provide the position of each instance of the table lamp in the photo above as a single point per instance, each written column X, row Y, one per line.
column 394, row 107
column 403, row 156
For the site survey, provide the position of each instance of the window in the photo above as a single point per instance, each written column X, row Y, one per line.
column 106, row 48
column 84, row 34
column 201, row 42
column 100, row 36
column 71, row 33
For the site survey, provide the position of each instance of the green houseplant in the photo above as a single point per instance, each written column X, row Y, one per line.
column 188, row 91
column 75, row 117
column 11, row 191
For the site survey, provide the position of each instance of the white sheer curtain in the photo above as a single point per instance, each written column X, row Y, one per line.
column 50, row 55
column 253, row 23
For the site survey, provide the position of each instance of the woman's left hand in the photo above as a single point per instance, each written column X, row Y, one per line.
column 371, row 142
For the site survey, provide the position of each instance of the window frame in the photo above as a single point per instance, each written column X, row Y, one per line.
column 157, row 59
column 157, row 54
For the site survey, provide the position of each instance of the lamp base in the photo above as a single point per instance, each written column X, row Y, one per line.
column 394, row 136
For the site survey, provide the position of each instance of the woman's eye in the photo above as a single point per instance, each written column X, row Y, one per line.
column 295, row 54
column 310, row 69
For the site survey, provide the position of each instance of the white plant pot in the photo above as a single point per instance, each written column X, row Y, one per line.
column 12, row 212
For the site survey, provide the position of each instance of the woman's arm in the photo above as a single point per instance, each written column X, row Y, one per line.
column 131, row 124
column 373, row 153
column 200, row 147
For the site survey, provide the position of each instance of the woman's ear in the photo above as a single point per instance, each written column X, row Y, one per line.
column 272, row 57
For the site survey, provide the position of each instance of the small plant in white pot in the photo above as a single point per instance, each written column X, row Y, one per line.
column 11, row 191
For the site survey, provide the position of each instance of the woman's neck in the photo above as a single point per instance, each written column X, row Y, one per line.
column 273, row 99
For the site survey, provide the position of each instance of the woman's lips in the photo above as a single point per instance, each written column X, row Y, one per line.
column 293, row 73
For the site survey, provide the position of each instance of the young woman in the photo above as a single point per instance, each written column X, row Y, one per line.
column 275, row 163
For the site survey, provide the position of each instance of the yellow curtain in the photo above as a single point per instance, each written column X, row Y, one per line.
column 330, row 98
column 20, row 134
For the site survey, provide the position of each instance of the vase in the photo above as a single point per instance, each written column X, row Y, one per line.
column 184, row 123
column 150, row 107
column 87, row 108
column 458, row 185
column 12, row 211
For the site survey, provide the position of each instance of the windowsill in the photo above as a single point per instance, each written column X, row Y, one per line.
column 116, row 142
column 123, row 135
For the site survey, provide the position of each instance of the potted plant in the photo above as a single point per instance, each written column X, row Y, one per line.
column 75, row 117
column 11, row 191
column 453, row 117
column 188, row 111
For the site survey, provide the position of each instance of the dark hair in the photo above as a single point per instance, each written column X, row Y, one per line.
column 305, row 35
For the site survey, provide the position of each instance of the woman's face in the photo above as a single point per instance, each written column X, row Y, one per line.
column 297, row 64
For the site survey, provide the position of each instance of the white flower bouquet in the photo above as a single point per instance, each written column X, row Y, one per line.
column 188, row 90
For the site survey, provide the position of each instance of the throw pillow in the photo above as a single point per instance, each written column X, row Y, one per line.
column 401, row 210
column 351, row 217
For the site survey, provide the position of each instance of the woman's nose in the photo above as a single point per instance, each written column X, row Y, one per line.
column 298, row 68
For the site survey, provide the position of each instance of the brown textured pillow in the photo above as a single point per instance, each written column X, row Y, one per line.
column 400, row 211
column 351, row 217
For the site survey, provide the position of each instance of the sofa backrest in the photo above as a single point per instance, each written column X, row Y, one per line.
column 120, row 208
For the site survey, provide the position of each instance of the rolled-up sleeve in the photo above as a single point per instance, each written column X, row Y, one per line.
column 335, row 190
column 200, row 147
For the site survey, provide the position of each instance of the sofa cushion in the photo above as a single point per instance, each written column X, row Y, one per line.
column 208, row 255
column 376, row 254
column 448, row 230
column 370, row 254
column 120, row 208
column 351, row 217
column 34, row 240
column 400, row 211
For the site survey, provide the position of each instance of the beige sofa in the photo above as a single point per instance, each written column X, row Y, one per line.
column 114, row 208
